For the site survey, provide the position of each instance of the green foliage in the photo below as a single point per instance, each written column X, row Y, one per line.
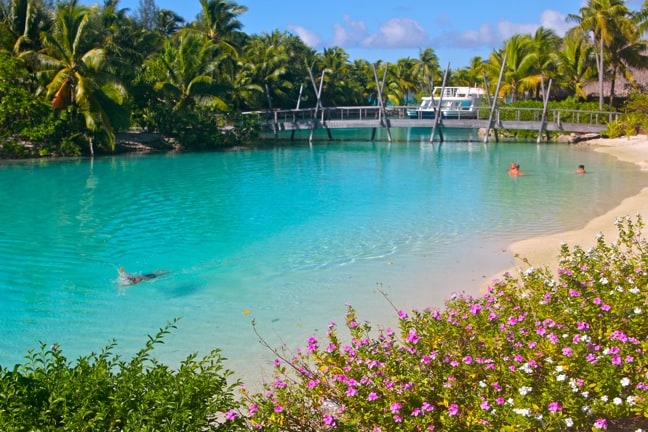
column 634, row 119
column 28, row 126
column 538, row 352
column 101, row 392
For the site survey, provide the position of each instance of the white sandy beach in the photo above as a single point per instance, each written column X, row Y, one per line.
column 544, row 250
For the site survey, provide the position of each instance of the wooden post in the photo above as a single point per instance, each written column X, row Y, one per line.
column 437, row 111
column 301, row 87
column 545, row 104
column 492, row 110
column 318, row 104
column 382, row 116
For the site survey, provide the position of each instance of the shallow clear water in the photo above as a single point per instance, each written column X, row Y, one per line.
column 290, row 234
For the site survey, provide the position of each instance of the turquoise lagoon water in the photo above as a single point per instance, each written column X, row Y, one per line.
column 290, row 233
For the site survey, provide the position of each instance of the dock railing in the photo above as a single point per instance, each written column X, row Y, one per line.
column 564, row 120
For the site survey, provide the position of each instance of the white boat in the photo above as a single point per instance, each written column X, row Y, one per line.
column 456, row 103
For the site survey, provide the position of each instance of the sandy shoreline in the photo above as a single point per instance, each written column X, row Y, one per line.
column 544, row 250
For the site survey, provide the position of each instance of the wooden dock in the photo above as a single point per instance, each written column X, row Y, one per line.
column 373, row 117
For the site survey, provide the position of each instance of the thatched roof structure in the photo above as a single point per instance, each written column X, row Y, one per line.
column 622, row 88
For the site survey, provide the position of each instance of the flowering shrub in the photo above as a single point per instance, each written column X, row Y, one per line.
column 535, row 353
column 102, row 392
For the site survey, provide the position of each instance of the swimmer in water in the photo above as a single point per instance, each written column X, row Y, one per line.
column 132, row 279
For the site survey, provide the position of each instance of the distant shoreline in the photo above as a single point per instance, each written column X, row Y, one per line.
column 544, row 250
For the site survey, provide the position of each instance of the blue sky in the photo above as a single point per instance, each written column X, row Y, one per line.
column 392, row 29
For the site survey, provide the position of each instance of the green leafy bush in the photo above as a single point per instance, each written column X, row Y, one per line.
column 634, row 120
column 101, row 392
column 535, row 353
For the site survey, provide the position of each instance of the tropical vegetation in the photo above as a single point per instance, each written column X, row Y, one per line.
column 540, row 351
column 563, row 351
column 78, row 74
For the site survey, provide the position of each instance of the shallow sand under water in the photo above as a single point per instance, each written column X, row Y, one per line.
column 544, row 250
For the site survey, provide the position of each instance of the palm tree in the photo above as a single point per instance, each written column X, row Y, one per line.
column 168, row 22
column 269, row 61
column 401, row 81
column 519, row 72
column 183, row 75
column 218, row 20
column 75, row 65
column 335, row 64
column 545, row 43
column 426, row 70
column 575, row 63
column 472, row 75
column 21, row 22
column 601, row 19
column 626, row 52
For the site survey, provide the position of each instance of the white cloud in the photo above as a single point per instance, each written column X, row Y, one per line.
column 311, row 39
column 350, row 34
column 556, row 21
column 507, row 29
column 484, row 35
column 398, row 33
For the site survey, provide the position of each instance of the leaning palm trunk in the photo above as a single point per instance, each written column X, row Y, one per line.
column 62, row 96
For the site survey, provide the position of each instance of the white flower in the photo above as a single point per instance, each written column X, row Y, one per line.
column 625, row 381
column 482, row 384
column 569, row 422
column 637, row 310
column 585, row 394
column 599, row 235
column 603, row 281
column 604, row 398
column 530, row 271
column 617, row 401
column 525, row 390
column 526, row 368
column 630, row 400
column 586, row 409
column 509, row 401
column 522, row 411
column 561, row 377
column 634, row 290
column 559, row 368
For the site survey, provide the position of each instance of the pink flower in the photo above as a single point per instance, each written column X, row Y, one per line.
column 453, row 410
column 582, row 325
column 329, row 420
column 412, row 337
column 600, row 423
column 278, row 408
column 231, row 415
column 372, row 396
column 555, row 406
column 395, row 407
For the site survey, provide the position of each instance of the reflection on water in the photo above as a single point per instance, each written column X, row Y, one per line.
column 286, row 236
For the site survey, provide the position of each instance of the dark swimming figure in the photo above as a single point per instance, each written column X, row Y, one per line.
column 132, row 279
